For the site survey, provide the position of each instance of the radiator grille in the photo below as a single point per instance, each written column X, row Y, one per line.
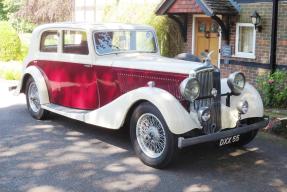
column 209, row 79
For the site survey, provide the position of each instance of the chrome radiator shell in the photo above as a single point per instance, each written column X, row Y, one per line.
column 209, row 79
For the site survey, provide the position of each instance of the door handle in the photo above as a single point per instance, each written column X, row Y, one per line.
column 88, row 66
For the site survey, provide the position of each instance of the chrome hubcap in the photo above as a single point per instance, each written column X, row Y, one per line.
column 33, row 97
column 151, row 135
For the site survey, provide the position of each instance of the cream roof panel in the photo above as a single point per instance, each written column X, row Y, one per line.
column 86, row 26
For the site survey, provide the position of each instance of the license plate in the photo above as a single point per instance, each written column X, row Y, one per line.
column 229, row 140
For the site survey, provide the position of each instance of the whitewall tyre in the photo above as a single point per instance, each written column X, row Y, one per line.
column 33, row 101
column 153, row 143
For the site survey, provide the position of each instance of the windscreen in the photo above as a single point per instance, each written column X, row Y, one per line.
column 108, row 42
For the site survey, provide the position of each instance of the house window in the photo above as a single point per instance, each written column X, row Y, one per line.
column 245, row 40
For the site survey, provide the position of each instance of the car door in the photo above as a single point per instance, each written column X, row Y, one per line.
column 71, row 78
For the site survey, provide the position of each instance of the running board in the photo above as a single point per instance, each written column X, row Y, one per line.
column 76, row 114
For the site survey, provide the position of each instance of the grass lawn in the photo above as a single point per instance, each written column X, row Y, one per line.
column 10, row 70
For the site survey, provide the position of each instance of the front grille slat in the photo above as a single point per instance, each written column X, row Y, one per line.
column 209, row 79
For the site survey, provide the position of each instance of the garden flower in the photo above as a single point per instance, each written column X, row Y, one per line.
column 270, row 81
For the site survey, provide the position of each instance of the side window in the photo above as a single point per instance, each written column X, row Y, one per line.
column 75, row 42
column 104, row 42
column 49, row 41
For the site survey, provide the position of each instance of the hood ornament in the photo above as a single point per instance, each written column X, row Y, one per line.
column 214, row 92
column 208, row 58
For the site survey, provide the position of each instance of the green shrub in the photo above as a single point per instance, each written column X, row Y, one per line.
column 10, row 43
column 23, row 52
column 12, row 75
column 11, row 70
column 273, row 89
column 168, row 31
column 22, row 26
column 169, row 35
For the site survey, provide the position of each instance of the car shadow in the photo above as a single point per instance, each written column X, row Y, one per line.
column 60, row 154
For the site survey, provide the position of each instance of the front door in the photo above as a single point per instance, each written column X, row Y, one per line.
column 206, row 38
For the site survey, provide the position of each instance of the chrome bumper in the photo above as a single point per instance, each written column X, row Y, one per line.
column 185, row 142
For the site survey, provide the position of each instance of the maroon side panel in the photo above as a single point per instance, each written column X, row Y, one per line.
column 76, row 86
column 114, row 82
column 71, row 85
column 108, row 85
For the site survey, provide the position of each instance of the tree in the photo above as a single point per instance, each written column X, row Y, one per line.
column 8, row 8
column 3, row 12
column 168, row 32
column 46, row 11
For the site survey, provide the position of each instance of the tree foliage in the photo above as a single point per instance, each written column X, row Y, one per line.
column 8, row 8
column 3, row 12
column 273, row 89
column 168, row 32
column 46, row 11
column 10, row 44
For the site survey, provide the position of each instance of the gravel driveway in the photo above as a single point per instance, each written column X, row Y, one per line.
column 65, row 155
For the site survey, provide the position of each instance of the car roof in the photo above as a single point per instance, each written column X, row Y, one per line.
column 100, row 26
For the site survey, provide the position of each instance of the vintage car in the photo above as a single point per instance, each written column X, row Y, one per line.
column 112, row 76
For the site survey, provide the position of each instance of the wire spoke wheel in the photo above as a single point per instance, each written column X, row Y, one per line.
column 151, row 135
column 33, row 96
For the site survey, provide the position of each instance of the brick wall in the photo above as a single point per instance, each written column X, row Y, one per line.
column 188, row 44
column 251, row 73
column 282, row 34
column 263, row 39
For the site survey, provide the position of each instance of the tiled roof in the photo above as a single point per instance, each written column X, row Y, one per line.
column 164, row 6
column 219, row 7
column 209, row 7
column 185, row 6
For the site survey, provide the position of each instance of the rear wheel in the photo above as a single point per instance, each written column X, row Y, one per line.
column 153, row 143
column 33, row 101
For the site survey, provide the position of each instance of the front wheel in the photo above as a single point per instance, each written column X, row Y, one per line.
column 153, row 143
column 33, row 101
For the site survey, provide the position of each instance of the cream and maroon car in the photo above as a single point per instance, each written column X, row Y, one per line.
column 112, row 76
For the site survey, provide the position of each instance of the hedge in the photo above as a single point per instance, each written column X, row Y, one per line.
column 10, row 44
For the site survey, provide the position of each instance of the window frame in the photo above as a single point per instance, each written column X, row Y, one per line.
column 121, row 30
column 62, row 39
column 244, row 54
column 58, row 43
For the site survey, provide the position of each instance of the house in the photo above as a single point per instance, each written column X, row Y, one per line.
column 92, row 11
column 226, row 27
column 222, row 26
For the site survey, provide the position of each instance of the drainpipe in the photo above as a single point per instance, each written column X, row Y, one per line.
column 274, row 36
